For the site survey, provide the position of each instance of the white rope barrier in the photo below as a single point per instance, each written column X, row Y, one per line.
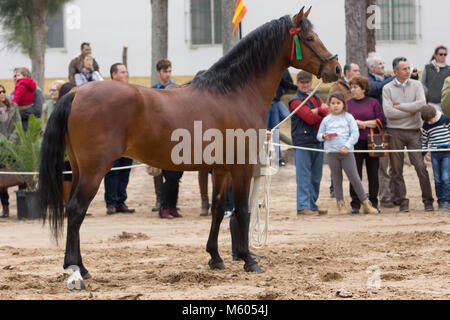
column 287, row 147
column 70, row 172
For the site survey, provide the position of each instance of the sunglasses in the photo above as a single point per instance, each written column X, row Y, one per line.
column 442, row 54
column 2, row 91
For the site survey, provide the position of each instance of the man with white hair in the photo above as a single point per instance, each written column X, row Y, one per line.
column 378, row 79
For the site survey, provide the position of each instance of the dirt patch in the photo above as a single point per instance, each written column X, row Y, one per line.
column 140, row 256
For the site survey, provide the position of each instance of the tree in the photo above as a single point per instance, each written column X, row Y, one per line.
column 159, row 34
column 371, row 39
column 23, row 22
column 228, row 41
column 356, row 33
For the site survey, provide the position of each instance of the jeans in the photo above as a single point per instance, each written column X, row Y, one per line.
column 308, row 165
column 229, row 204
column 277, row 113
column 116, row 183
column 441, row 171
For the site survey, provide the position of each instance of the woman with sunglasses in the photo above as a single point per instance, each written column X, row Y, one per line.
column 434, row 75
column 9, row 115
column 52, row 99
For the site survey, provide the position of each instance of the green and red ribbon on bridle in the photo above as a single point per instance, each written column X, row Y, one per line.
column 296, row 49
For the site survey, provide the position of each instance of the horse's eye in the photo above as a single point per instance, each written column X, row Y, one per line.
column 311, row 38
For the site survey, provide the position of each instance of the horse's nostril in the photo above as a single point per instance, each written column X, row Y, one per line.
column 338, row 71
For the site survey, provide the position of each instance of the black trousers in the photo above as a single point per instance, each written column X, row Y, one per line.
column 372, row 165
column 4, row 197
column 169, row 190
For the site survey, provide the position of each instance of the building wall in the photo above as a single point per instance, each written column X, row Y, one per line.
column 110, row 24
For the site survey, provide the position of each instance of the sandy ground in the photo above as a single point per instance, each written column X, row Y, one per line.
column 389, row 256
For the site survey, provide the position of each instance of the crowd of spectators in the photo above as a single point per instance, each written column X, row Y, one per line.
column 415, row 114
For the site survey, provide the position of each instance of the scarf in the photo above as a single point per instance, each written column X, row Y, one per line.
column 3, row 113
column 437, row 65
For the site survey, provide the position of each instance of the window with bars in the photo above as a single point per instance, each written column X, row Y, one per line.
column 55, row 30
column 206, row 22
column 397, row 20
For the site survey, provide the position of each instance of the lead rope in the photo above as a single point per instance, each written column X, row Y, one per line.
column 258, row 232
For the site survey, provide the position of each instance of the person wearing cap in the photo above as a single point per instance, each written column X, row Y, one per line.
column 304, row 127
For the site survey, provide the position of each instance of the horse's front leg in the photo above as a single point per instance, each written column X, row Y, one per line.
column 241, row 177
column 221, row 181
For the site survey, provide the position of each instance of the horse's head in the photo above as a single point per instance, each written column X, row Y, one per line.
column 315, row 57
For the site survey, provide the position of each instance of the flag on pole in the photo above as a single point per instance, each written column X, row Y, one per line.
column 239, row 14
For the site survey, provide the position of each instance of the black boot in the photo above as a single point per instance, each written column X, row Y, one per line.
column 5, row 213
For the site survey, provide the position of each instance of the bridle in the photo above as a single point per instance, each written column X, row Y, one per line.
column 296, row 47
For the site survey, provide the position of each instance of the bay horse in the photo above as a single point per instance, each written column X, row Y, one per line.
column 99, row 122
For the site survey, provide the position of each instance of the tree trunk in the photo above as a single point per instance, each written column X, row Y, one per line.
column 371, row 39
column 356, row 33
column 228, row 42
column 39, row 41
column 159, row 34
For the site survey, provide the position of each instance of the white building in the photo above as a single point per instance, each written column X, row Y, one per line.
column 411, row 28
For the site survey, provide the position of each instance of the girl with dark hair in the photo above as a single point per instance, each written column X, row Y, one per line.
column 340, row 132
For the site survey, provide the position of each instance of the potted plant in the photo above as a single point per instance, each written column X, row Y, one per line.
column 23, row 156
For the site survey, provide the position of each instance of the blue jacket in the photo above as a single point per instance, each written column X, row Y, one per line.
column 376, row 86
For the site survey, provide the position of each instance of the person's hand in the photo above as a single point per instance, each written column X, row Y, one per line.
column 361, row 124
column 344, row 150
column 428, row 157
column 397, row 106
column 326, row 136
column 315, row 111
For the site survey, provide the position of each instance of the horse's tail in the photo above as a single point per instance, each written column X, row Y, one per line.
column 52, row 166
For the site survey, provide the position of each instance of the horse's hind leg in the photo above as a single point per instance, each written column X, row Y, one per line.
column 241, row 187
column 221, row 181
column 76, row 208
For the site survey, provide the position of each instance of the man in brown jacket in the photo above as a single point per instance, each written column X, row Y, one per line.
column 76, row 63
column 342, row 85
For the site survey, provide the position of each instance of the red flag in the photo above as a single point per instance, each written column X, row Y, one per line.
column 239, row 14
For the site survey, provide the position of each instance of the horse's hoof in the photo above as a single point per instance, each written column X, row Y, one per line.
column 254, row 267
column 217, row 265
column 75, row 281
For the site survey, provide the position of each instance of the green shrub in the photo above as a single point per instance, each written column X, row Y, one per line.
column 24, row 155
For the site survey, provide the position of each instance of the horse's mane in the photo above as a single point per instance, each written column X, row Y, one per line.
column 249, row 58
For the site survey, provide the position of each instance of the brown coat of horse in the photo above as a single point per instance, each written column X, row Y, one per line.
column 103, row 121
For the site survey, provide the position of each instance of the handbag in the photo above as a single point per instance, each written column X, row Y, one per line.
column 379, row 141
column 9, row 180
column 154, row 171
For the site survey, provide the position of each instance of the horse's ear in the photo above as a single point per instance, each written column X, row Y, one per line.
column 307, row 12
column 298, row 18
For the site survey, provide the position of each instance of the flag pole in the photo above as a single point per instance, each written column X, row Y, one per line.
column 240, row 30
